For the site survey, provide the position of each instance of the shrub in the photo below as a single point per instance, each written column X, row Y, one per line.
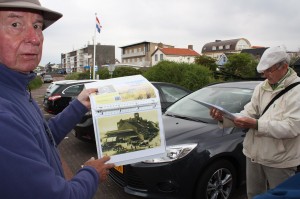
column 190, row 76
column 35, row 83
column 119, row 71
column 78, row 76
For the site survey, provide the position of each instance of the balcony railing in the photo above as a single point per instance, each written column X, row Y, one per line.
column 133, row 54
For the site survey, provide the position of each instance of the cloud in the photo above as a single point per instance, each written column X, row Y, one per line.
column 179, row 23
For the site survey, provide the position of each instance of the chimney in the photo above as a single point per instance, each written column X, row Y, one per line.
column 190, row 47
column 160, row 45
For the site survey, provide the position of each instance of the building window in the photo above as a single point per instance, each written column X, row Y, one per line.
column 227, row 46
column 214, row 48
column 156, row 57
column 161, row 57
column 220, row 47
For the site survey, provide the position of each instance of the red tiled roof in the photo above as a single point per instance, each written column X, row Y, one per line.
column 179, row 51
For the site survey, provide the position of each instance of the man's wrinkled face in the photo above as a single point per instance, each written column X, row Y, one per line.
column 275, row 73
column 21, row 39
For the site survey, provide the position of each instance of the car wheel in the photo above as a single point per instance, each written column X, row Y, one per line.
column 217, row 182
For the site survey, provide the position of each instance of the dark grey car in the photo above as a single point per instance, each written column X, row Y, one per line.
column 203, row 161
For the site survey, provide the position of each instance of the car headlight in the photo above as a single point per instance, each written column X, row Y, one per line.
column 174, row 152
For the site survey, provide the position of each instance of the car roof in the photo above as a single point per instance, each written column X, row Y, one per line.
column 171, row 84
column 61, row 81
column 66, row 82
column 237, row 84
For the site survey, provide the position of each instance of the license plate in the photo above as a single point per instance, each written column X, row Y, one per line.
column 119, row 168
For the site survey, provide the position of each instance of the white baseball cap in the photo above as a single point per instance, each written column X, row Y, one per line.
column 272, row 56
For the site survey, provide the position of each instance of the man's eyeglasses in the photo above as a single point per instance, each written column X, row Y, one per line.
column 271, row 70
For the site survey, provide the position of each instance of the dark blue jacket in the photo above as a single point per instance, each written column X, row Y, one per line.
column 30, row 166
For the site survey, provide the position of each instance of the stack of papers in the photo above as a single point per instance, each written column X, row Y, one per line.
column 225, row 113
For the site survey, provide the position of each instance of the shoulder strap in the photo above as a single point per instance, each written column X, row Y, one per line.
column 279, row 94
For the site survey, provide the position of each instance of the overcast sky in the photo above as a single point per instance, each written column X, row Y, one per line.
column 174, row 22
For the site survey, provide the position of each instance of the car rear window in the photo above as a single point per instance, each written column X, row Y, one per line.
column 73, row 90
column 53, row 88
column 172, row 93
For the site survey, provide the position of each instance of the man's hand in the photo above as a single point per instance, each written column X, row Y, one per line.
column 245, row 122
column 83, row 97
column 101, row 166
column 216, row 114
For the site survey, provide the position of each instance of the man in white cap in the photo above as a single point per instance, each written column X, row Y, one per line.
column 30, row 165
column 272, row 143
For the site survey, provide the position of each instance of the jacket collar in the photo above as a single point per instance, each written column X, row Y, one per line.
column 289, row 78
column 15, row 79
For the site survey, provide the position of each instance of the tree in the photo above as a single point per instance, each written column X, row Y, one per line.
column 240, row 66
column 206, row 61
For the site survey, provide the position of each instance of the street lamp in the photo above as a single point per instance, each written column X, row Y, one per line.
column 111, row 69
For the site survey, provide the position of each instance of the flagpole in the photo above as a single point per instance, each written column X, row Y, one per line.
column 94, row 42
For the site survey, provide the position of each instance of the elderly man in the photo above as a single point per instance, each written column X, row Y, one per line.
column 272, row 143
column 30, row 165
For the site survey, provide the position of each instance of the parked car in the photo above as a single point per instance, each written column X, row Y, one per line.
column 61, row 71
column 61, row 93
column 168, row 93
column 202, row 161
column 56, row 82
column 47, row 79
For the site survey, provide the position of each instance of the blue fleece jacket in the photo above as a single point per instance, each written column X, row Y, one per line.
column 30, row 167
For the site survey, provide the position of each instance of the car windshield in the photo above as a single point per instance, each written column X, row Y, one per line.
column 231, row 99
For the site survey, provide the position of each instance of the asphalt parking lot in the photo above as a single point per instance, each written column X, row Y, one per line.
column 75, row 152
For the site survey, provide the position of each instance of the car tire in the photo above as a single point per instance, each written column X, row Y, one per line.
column 218, row 181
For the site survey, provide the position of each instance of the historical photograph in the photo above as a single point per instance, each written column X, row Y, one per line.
column 129, row 132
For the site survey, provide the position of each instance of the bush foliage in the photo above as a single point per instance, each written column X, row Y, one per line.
column 120, row 71
column 78, row 76
column 36, row 83
column 190, row 76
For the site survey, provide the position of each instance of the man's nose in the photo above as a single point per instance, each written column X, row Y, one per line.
column 33, row 36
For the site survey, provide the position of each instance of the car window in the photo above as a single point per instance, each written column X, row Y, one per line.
column 73, row 90
column 53, row 88
column 50, row 86
column 172, row 93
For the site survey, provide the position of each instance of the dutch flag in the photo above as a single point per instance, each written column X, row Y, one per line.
column 98, row 26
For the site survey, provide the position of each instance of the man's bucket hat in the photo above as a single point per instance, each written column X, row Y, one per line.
column 50, row 16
